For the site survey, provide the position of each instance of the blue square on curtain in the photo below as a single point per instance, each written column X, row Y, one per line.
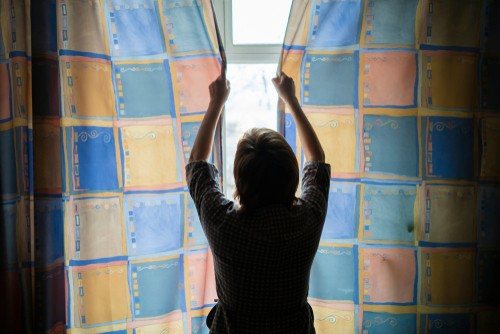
column 195, row 234
column 144, row 90
column 49, row 241
column 489, row 215
column 388, row 213
column 488, row 277
column 343, row 211
column 94, row 158
column 199, row 325
column 449, row 143
column 334, row 274
column 186, row 26
column 7, row 163
column 335, row 23
column 137, row 28
column 153, row 223
column 392, row 22
column 8, row 239
column 490, row 83
column 158, row 287
column 321, row 86
column 390, row 145
column 446, row 323
column 189, row 131
column 388, row 323
column 291, row 132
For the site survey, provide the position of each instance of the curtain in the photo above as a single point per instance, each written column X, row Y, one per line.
column 404, row 97
column 98, row 233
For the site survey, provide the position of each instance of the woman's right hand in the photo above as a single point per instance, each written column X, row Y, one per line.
column 285, row 87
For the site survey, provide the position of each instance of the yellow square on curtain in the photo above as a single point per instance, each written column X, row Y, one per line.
column 447, row 276
column 336, row 129
column 100, row 294
column 150, row 156
column 334, row 318
column 449, row 80
column 88, row 90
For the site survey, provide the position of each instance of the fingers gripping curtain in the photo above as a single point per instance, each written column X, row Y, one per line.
column 401, row 95
column 98, row 233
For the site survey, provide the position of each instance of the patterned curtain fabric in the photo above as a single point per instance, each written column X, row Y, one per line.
column 404, row 95
column 98, row 233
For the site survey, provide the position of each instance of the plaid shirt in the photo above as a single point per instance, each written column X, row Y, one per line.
column 262, row 259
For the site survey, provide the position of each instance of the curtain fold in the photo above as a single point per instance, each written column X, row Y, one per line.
column 400, row 93
column 98, row 233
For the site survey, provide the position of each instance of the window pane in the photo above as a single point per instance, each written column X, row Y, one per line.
column 252, row 104
column 260, row 21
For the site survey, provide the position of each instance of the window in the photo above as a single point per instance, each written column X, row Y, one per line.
column 253, row 52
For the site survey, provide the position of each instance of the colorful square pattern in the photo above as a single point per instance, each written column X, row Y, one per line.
column 157, row 287
column 390, row 146
column 388, row 213
column 448, row 147
column 154, row 223
column 381, row 17
column 143, row 89
column 388, row 275
column 343, row 210
column 149, row 157
column 336, row 265
column 185, row 26
column 92, row 149
column 318, row 90
column 135, row 28
column 439, row 269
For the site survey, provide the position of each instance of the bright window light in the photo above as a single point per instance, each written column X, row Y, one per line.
column 252, row 104
column 260, row 21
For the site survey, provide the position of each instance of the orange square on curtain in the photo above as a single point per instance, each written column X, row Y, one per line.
column 4, row 92
column 447, row 276
column 95, row 229
column 193, row 76
column 449, row 80
column 292, row 61
column 88, row 88
column 100, row 294
column 150, row 155
column 47, row 154
column 336, row 129
column 78, row 14
column 201, row 278
column 389, row 79
column 388, row 275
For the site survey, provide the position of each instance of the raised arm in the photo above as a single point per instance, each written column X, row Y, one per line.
column 219, row 92
column 311, row 145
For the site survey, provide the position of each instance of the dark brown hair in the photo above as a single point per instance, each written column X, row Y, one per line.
column 265, row 170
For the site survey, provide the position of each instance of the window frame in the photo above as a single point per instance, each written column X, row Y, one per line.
column 244, row 53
